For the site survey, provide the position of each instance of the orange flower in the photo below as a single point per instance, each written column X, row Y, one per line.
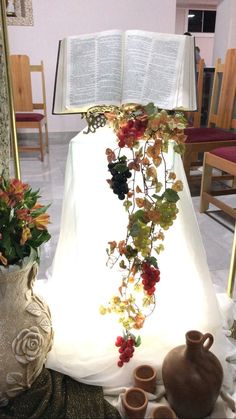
column 37, row 206
column 24, row 214
column 41, row 221
column 17, row 189
column 26, row 234
column 3, row 259
column 4, row 197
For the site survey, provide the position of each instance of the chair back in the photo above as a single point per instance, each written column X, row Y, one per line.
column 197, row 114
column 195, row 117
column 222, row 106
column 21, row 83
column 21, row 72
column 29, row 114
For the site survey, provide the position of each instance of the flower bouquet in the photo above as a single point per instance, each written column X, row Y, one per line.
column 23, row 221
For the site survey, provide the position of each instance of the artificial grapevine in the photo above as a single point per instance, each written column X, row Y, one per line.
column 150, row 192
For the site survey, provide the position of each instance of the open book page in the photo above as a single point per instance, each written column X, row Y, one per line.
column 187, row 86
column 153, row 66
column 94, row 69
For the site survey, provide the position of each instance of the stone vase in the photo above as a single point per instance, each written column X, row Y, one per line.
column 26, row 333
column 192, row 376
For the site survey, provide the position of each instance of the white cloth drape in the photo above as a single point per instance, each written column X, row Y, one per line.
column 80, row 281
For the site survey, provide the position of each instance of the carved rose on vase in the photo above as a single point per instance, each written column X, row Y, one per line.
column 27, row 345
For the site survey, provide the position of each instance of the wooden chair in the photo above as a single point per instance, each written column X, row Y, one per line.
column 195, row 117
column 24, row 106
column 223, row 159
column 200, row 140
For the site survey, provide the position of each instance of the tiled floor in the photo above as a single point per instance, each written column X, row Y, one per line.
column 217, row 229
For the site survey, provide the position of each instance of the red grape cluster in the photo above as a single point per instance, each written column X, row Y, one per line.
column 130, row 132
column 126, row 349
column 150, row 276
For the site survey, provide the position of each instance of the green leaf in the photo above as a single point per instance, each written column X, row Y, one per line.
column 170, row 195
column 120, row 168
column 152, row 261
column 179, row 148
column 38, row 237
column 140, row 215
column 135, row 230
column 157, row 197
column 137, row 341
column 122, row 264
column 159, row 248
column 40, row 211
column 150, row 108
column 127, row 204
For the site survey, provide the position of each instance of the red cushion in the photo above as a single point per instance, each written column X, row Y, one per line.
column 29, row 116
column 200, row 135
column 228, row 153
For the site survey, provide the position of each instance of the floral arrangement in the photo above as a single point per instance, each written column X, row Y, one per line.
column 144, row 135
column 23, row 221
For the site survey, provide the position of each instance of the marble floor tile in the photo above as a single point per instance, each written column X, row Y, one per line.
column 216, row 228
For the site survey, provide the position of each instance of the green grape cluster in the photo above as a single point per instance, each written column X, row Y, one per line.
column 168, row 211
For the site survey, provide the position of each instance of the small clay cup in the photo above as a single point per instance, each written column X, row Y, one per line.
column 163, row 412
column 145, row 378
column 135, row 403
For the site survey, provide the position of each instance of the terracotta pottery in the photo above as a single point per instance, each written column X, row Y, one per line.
column 145, row 378
column 163, row 412
column 192, row 376
column 135, row 403
column 25, row 329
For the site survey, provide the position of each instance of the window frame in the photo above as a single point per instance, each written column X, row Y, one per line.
column 210, row 9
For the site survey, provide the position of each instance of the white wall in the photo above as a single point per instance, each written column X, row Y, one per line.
column 225, row 30
column 55, row 19
column 180, row 23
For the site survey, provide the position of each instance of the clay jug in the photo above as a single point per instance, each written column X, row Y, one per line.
column 192, row 376
column 25, row 329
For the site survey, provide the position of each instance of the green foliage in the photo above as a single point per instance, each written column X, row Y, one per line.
column 23, row 221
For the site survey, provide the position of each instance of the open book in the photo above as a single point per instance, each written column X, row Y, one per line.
column 115, row 67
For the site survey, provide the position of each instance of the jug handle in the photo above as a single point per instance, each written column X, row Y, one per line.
column 207, row 341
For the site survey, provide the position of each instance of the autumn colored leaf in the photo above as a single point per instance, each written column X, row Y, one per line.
column 112, row 245
column 140, row 202
column 122, row 247
column 151, row 172
column 110, row 155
